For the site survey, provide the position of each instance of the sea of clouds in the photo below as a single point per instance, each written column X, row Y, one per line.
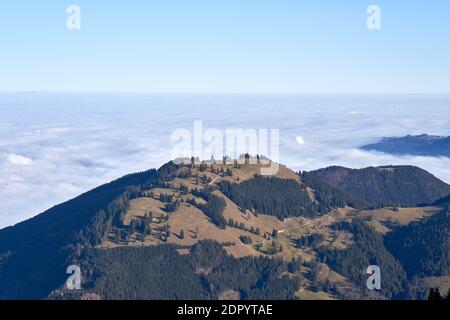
column 54, row 147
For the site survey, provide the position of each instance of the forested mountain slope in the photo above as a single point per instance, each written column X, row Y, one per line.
column 423, row 247
column 210, row 231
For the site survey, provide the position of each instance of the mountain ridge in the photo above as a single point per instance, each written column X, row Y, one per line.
column 387, row 185
column 190, row 213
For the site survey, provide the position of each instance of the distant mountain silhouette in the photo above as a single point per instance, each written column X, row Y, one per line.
column 421, row 145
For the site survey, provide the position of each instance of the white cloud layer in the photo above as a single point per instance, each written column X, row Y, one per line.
column 17, row 159
column 55, row 147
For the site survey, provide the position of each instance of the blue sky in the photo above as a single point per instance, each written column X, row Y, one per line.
column 206, row 46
